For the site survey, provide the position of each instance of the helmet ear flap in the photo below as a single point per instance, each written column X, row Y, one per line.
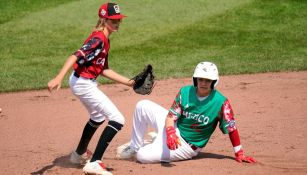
column 213, row 83
column 195, row 82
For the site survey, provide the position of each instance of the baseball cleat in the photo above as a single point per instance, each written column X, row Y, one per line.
column 122, row 147
column 126, row 153
column 95, row 168
column 75, row 158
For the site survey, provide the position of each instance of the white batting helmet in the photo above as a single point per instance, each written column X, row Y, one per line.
column 206, row 70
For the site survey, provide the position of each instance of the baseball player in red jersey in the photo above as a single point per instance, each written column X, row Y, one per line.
column 184, row 129
column 90, row 61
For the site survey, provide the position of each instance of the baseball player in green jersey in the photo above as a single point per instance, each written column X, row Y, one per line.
column 184, row 129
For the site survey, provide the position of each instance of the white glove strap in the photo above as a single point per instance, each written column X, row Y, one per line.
column 237, row 148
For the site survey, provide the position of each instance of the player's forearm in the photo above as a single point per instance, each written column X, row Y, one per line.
column 237, row 147
column 235, row 140
column 112, row 75
column 67, row 66
column 169, row 121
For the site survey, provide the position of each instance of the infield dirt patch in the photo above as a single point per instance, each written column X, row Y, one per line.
column 38, row 130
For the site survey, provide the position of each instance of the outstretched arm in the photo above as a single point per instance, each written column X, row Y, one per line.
column 112, row 75
column 237, row 147
column 57, row 81
column 229, row 126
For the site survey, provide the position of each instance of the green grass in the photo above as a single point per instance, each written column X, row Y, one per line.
column 14, row 9
column 240, row 36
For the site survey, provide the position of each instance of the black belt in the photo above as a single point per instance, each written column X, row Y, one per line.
column 78, row 76
column 191, row 145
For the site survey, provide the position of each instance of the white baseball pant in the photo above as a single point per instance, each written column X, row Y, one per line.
column 98, row 105
column 148, row 113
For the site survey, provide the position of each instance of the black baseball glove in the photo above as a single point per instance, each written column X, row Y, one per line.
column 144, row 81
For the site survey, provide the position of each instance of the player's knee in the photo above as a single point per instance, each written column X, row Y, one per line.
column 94, row 123
column 120, row 119
column 96, row 120
column 117, row 117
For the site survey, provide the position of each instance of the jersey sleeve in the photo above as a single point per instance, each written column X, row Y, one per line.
column 227, row 120
column 89, row 50
column 175, row 110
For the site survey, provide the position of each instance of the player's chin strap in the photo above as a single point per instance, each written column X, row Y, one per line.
column 111, row 28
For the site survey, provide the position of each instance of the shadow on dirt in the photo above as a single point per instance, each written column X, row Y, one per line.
column 167, row 164
column 62, row 161
column 203, row 155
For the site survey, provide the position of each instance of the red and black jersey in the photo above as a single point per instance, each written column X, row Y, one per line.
column 92, row 56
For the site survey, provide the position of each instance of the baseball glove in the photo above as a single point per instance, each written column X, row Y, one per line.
column 144, row 81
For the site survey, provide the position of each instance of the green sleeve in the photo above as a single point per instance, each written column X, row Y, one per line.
column 223, row 125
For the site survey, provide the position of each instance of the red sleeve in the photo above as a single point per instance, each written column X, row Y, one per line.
column 234, row 138
column 227, row 117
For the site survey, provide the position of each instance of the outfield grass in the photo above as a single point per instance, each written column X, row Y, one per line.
column 14, row 9
column 240, row 36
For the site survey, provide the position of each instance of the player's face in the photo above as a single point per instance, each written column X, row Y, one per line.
column 113, row 24
column 203, row 86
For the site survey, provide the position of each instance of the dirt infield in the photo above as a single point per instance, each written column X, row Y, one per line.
column 39, row 130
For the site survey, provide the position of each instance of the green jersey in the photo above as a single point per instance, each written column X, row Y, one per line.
column 197, row 120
